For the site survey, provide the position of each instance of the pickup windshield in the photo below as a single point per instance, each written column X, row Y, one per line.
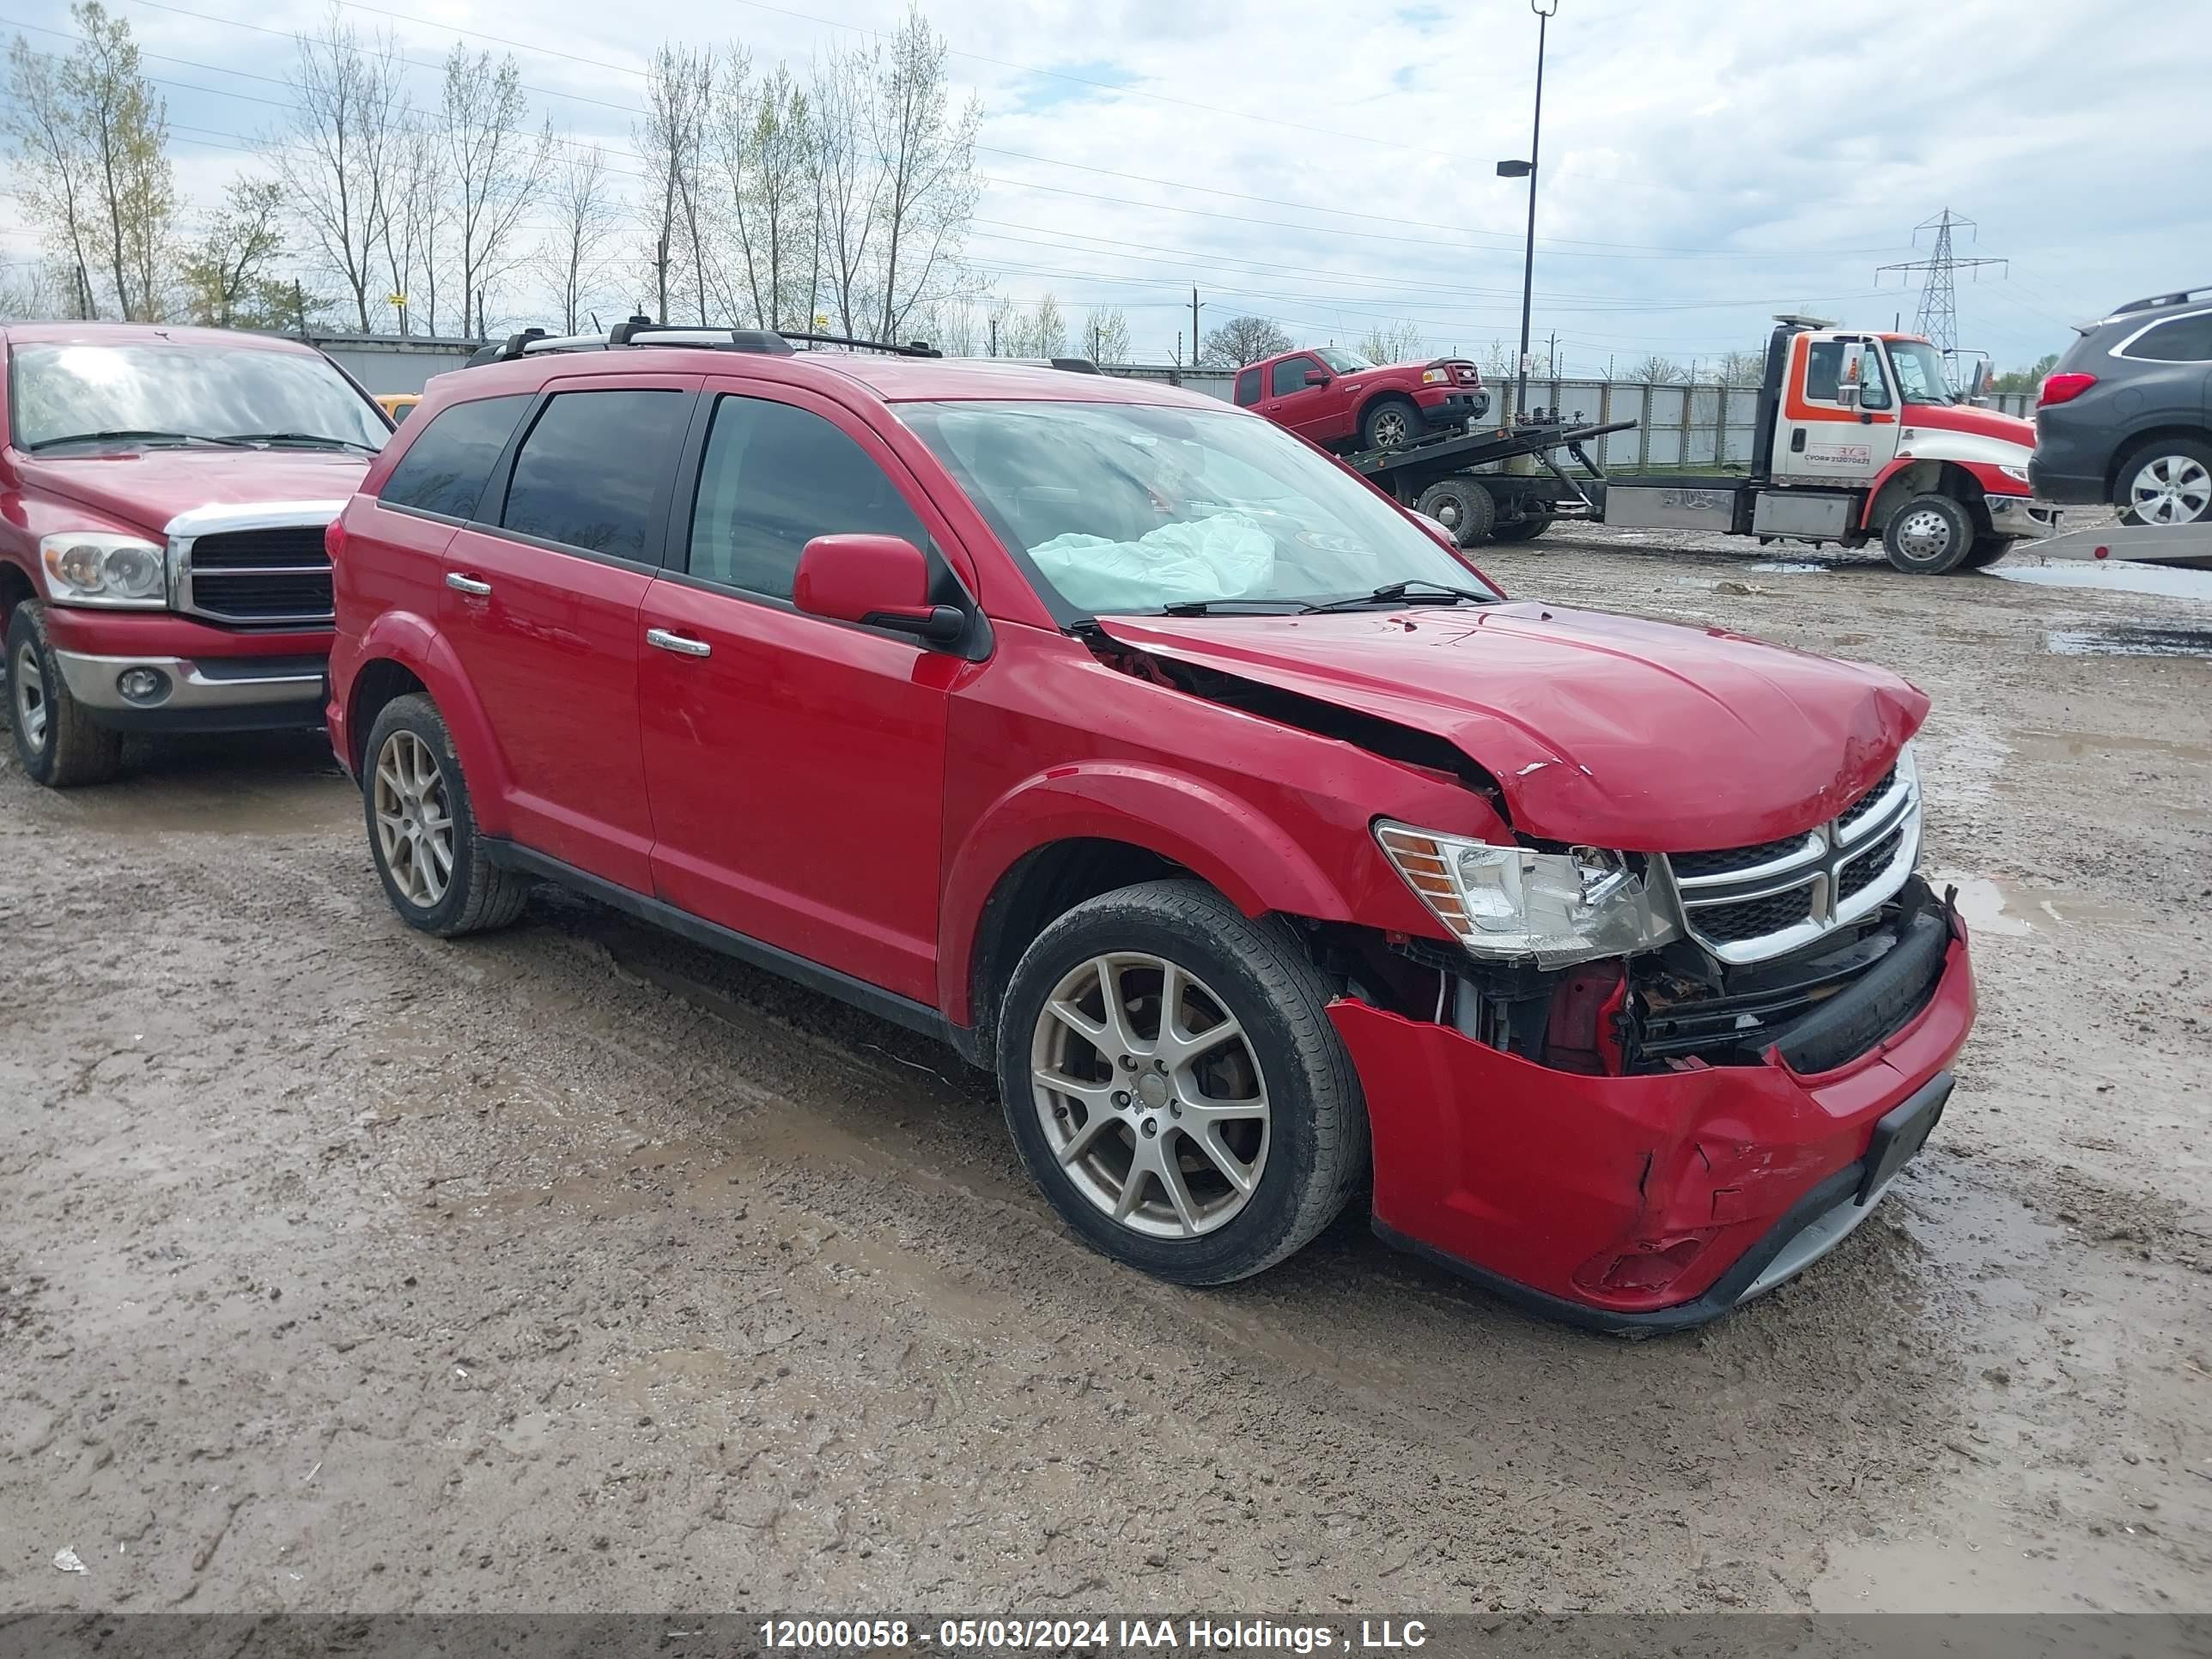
column 1343, row 360
column 180, row 393
column 1131, row 508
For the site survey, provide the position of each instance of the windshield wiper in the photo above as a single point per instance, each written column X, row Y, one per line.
column 312, row 439
column 1435, row 591
column 136, row 436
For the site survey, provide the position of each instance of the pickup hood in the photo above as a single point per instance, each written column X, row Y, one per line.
column 1602, row 730
column 146, row 488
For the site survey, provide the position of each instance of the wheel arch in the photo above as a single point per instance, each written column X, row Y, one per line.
column 1388, row 394
column 2126, row 451
column 15, row 586
column 400, row 653
column 1924, row 476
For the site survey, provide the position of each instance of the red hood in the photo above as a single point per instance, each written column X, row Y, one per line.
column 1603, row 730
column 148, row 488
column 1964, row 418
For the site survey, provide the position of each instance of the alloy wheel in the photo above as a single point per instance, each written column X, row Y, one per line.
column 28, row 683
column 1151, row 1095
column 1925, row 535
column 1389, row 429
column 2171, row 489
column 414, row 819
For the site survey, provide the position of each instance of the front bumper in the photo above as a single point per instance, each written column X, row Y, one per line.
column 1443, row 406
column 211, row 678
column 1650, row 1202
column 2022, row 516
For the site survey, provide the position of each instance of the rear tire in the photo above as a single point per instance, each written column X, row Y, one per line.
column 2168, row 481
column 1522, row 529
column 1985, row 551
column 422, row 834
column 1391, row 424
column 1928, row 535
column 1136, row 1114
column 1462, row 506
column 55, row 739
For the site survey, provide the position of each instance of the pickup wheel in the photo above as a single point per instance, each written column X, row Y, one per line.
column 1174, row 1084
column 55, row 739
column 1522, row 529
column 1462, row 506
column 422, row 832
column 1928, row 535
column 1391, row 424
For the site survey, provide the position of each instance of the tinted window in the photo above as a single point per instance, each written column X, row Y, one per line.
column 774, row 478
column 586, row 475
column 1290, row 375
column 445, row 468
column 2183, row 340
column 1248, row 386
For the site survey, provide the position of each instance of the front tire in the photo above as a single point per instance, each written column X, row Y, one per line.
column 1522, row 529
column 1173, row 1083
column 58, row 742
column 1985, row 551
column 1462, row 506
column 422, row 834
column 1391, row 424
column 1928, row 535
column 2170, row 482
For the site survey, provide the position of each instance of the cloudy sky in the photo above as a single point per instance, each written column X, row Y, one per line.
column 1705, row 162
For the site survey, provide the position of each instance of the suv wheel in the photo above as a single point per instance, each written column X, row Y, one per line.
column 1462, row 506
column 57, row 741
column 1174, row 1086
column 2169, row 482
column 422, row 832
column 1390, row 424
column 1928, row 535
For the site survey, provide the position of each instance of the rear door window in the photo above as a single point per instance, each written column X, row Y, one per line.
column 1248, row 388
column 590, row 471
column 444, row 470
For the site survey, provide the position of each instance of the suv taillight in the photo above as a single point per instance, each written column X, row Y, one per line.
column 2062, row 388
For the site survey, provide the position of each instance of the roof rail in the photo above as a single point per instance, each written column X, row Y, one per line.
column 2180, row 296
column 641, row 330
column 911, row 348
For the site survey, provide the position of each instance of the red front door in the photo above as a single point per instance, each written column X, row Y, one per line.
column 796, row 766
column 1316, row 412
column 542, row 613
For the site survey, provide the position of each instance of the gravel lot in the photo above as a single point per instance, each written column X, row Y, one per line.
column 574, row 1268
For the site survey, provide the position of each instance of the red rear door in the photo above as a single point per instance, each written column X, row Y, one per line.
column 542, row 610
column 796, row 765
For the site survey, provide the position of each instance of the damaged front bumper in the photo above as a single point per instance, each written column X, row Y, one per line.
column 1655, row 1201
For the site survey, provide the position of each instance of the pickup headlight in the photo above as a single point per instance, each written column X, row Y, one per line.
column 88, row 567
column 1436, row 376
column 1560, row 908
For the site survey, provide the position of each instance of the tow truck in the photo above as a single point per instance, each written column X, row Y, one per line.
column 1859, row 439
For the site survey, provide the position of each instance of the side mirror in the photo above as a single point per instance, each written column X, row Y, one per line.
column 1316, row 377
column 882, row 581
column 1847, row 377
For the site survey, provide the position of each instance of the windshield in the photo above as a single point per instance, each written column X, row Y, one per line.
column 178, row 392
column 1919, row 373
column 1343, row 360
column 1126, row 507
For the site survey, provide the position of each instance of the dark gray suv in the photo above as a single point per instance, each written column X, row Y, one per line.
column 2126, row 417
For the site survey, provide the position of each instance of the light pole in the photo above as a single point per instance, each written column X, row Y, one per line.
column 1545, row 10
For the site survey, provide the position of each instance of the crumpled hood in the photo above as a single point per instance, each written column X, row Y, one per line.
column 148, row 488
column 1603, row 730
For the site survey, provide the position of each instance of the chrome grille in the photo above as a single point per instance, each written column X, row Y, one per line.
column 256, row 566
column 1747, row 903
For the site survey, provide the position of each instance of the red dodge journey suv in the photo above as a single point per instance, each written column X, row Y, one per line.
column 1149, row 757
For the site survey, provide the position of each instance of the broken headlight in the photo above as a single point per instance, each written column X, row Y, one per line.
column 1559, row 907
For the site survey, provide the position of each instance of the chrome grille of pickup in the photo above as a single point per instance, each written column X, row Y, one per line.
column 253, row 567
column 1747, row 903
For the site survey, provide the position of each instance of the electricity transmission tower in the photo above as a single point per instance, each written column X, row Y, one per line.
column 1938, row 318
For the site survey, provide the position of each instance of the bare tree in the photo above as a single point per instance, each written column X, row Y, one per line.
column 1043, row 333
column 848, row 182
column 1106, row 335
column 1742, row 367
column 493, row 165
column 1657, row 369
column 346, row 141
column 1393, row 343
column 1242, row 340
column 35, row 294
column 766, row 146
column 578, row 252
column 228, row 273
column 927, row 156
column 53, row 167
column 672, row 139
column 409, row 233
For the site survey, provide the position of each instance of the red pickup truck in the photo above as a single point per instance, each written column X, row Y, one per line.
column 1335, row 397
column 1118, row 739
column 163, row 495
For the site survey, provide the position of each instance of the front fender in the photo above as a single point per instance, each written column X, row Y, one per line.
column 415, row 644
column 1218, row 837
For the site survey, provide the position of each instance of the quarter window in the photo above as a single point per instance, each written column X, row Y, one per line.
column 2183, row 340
column 586, row 475
column 444, row 470
column 775, row 476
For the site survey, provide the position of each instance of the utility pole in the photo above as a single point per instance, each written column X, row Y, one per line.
column 1545, row 10
column 994, row 337
column 1194, row 325
column 1551, row 356
column 1938, row 317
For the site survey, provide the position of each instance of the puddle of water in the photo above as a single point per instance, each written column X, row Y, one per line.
column 2009, row 909
column 1981, row 902
column 2100, row 745
column 2112, row 577
column 225, row 803
column 1790, row 567
column 2129, row 640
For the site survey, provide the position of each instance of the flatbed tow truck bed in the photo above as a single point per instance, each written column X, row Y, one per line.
column 2188, row 546
column 1453, row 478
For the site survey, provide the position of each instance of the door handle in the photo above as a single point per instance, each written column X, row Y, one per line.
column 1797, row 440
column 461, row 584
column 663, row 639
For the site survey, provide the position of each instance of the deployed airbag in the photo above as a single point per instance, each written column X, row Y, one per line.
column 1223, row 557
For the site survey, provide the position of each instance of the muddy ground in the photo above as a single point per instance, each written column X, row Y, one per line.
column 571, row 1268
